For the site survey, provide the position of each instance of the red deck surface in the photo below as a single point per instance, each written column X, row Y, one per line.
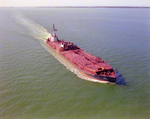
column 84, row 60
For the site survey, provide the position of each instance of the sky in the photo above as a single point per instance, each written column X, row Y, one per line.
column 28, row 3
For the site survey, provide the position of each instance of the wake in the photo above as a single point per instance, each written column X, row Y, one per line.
column 41, row 34
column 36, row 30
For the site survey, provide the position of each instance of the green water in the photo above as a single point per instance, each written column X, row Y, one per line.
column 34, row 84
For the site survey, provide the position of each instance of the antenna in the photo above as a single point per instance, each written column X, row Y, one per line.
column 54, row 29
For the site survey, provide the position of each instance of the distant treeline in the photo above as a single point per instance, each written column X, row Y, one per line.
column 90, row 7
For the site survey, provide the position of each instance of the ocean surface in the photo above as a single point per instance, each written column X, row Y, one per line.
column 35, row 84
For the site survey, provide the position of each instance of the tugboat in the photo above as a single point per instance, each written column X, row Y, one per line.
column 88, row 65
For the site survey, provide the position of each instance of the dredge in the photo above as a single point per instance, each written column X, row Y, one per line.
column 88, row 65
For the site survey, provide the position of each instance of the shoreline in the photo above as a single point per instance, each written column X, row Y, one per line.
column 90, row 7
column 77, row 7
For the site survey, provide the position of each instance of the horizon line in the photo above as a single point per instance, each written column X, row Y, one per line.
column 78, row 6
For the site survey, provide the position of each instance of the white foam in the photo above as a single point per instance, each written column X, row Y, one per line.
column 36, row 30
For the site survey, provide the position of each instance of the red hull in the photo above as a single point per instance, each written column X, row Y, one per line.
column 88, row 65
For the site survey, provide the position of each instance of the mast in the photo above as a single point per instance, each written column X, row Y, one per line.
column 54, row 29
column 54, row 37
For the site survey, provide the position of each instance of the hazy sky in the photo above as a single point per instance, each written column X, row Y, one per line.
column 75, row 3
